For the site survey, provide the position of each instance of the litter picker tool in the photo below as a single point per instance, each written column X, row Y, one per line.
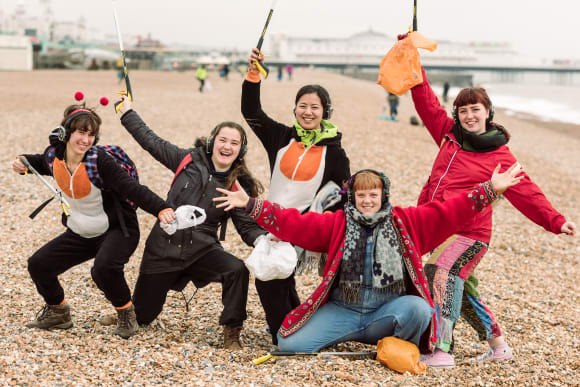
column 276, row 354
column 263, row 69
column 64, row 204
column 414, row 15
column 128, row 92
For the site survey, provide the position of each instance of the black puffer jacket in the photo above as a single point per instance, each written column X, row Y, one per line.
column 195, row 185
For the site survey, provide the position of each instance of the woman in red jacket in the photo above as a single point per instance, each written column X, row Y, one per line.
column 373, row 284
column 470, row 146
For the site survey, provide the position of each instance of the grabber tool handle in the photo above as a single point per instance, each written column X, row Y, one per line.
column 119, row 104
column 263, row 69
column 263, row 359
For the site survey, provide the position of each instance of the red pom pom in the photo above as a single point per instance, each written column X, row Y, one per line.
column 79, row 96
column 104, row 101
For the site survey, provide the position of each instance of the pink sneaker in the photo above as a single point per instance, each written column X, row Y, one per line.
column 501, row 352
column 439, row 359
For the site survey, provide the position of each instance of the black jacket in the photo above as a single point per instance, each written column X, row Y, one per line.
column 195, row 185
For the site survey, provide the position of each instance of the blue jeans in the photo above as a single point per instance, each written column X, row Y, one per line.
column 405, row 317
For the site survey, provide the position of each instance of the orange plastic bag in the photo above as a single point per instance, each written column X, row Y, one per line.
column 400, row 355
column 400, row 69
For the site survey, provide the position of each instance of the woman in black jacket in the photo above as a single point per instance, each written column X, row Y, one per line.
column 99, row 222
column 303, row 158
column 170, row 262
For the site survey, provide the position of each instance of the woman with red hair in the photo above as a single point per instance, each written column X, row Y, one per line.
column 470, row 147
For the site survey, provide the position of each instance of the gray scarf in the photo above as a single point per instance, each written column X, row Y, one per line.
column 387, row 255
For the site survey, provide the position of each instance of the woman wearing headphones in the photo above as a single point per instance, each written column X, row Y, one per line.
column 471, row 145
column 373, row 284
column 98, row 224
column 303, row 158
column 195, row 253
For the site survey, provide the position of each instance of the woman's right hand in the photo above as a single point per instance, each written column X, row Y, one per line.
column 18, row 166
column 502, row 181
column 238, row 198
column 255, row 56
column 127, row 104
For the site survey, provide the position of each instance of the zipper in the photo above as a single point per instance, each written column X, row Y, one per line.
column 446, row 170
column 299, row 162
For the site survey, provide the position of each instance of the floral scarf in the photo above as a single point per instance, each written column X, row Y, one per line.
column 387, row 256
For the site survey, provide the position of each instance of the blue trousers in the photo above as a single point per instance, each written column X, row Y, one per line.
column 405, row 317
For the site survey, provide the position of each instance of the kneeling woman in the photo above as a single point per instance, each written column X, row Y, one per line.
column 373, row 284
column 195, row 254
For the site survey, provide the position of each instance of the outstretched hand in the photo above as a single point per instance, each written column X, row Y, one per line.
column 126, row 104
column 502, row 181
column 18, row 166
column 232, row 199
column 569, row 228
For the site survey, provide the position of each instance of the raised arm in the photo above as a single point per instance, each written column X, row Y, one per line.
column 162, row 150
column 433, row 115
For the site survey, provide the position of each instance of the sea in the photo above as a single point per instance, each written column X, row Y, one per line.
column 546, row 96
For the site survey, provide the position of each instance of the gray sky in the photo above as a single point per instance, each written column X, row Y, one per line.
column 535, row 28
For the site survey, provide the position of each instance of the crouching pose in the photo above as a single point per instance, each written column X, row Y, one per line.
column 373, row 283
column 99, row 224
column 195, row 254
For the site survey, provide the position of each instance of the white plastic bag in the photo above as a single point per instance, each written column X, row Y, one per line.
column 185, row 216
column 271, row 259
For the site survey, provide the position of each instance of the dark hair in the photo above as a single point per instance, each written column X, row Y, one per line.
column 240, row 170
column 321, row 93
column 472, row 95
column 90, row 121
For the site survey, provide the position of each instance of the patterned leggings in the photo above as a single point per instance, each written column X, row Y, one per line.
column 453, row 287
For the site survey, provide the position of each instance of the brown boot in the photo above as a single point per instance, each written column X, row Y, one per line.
column 52, row 316
column 127, row 322
column 232, row 338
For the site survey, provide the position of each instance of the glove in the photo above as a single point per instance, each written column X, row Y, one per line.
column 185, row 217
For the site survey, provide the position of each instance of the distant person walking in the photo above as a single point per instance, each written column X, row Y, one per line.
column 201, row 75
column 289, row 70
column 445, row 91
column 280, row 72
column 393, row 100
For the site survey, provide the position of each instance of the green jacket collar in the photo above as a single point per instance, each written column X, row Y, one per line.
column 314, row 136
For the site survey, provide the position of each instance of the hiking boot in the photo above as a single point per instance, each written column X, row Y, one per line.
column 501, row 352
column 127, row 325
column 52, row 316
column 438, row 359
column 232, row 338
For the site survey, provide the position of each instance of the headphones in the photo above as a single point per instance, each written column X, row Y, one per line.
column 455, row 114
column 349, row 187
column 63, row 132
column 211, row 139
column 322, row 93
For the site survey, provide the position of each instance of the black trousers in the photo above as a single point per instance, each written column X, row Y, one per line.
column 111, row 251
column 278, row 298
column 216, row 266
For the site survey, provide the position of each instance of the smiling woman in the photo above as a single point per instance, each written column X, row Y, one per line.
column 303, row 158
column 195, row 253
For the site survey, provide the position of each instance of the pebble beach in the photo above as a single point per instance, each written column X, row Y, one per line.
column 529, row 277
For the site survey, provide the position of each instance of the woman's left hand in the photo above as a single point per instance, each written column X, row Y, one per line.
column 569, row 228
column 237, row 198
column 502, row 181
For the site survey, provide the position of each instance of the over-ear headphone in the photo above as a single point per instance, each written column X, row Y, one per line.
column 350, row 186
column 455, row 114
column 211, row 139
column 63, row 132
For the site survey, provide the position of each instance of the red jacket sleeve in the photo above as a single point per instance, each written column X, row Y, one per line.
column 435, row 118
column 431, row 224
column 311, row 231
column 529, row 199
